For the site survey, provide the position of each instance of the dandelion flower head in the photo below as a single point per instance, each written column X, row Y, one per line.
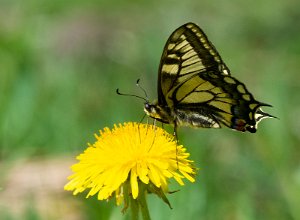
column 132, row 153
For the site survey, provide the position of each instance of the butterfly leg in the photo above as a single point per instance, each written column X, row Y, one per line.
column 176, row 138
column 139, row 127
column 154, row 124
column 175, row 132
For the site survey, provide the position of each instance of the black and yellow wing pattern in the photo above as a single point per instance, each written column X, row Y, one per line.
column 195, row 87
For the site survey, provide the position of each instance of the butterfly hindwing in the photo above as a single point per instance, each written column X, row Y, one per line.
column 219, row 99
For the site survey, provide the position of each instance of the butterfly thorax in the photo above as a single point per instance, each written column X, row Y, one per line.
column 160, row 113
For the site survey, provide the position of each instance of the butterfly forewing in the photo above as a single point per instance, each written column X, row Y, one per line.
column 187, row 52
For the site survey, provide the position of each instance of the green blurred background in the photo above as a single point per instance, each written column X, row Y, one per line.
column 61, row 62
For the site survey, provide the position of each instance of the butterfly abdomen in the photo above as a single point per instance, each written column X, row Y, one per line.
column 195, row 119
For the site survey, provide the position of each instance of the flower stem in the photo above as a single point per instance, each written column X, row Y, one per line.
column 134, row 206
column 143, row 202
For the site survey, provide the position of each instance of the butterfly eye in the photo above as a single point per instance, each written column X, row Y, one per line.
column 149, row 109
column 147, row 106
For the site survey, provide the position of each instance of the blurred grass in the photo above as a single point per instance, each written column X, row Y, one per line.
column 61, row 62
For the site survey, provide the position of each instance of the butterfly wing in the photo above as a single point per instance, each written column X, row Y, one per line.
column 187, row 52
column 197, row 86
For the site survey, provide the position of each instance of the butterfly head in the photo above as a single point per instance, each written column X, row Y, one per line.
column 155, row 111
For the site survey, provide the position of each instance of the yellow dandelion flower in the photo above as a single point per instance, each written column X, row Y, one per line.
column 130, row 155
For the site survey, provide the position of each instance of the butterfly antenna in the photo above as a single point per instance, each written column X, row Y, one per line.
column 138, row 85
column 125, row 94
